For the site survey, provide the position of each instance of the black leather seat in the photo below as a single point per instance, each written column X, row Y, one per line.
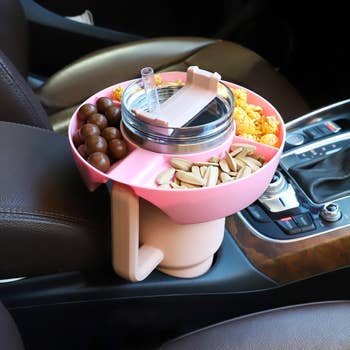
column 66, row 89
column 317, row 326
column 49, row 221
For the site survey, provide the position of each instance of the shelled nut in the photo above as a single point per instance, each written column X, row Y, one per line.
column 237, row 164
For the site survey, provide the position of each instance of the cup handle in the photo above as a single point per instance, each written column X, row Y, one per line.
column 129, row 260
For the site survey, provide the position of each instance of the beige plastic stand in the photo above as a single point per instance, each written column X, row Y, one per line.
column 130, row 261
column 144, row 238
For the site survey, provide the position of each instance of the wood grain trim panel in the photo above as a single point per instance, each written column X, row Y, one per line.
column 289, row 262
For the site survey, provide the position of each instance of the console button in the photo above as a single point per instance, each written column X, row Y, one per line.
column 326, row 131
column 304, row 222
column 258, row 213
column 295, row 139
column 314, row 132
column 331, row 212
column 288, row 226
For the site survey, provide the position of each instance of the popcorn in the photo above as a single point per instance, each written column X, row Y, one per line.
column 251, row 122
column 244, row 125
column 158, row 79
column 269, row 139
column 117, row 93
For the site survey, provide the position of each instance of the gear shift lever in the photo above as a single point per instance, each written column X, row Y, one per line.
column 279, row 195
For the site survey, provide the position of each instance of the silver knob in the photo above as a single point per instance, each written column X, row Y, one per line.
column 279, row 195
column 331, row 212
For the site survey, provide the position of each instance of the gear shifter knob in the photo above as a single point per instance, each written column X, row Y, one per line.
column 279, row 195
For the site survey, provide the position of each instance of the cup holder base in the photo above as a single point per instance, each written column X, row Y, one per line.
column 189, row 272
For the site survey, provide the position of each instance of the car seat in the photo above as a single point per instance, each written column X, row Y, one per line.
column 66, row 89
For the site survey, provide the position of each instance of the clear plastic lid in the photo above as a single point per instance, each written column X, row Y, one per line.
column 207, row 128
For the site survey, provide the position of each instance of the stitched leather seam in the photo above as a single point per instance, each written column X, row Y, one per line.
column 19, row 92
column 8, row 211
column 33, row 218
column 10, row 80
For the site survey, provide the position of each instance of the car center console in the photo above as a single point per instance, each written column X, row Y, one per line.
column 310, row 192
column 285, row 236
column 296, row 230
column 300, row 226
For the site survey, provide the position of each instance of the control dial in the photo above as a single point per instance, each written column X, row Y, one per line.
column 279, row 195
column 331, row 212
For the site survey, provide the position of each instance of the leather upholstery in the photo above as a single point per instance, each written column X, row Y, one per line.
column 18, row 102
column 49, row 222
column 106, row 67
column 60, row 120
column 9, row 336
column 76, row 82
column 13, row 33
column 317, row 326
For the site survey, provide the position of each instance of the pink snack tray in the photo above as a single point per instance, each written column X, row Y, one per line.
column 140, row 168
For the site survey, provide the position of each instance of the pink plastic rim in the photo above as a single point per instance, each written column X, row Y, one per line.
column 244, row 191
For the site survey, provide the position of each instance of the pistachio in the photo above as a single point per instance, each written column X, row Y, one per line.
column 258, row 157
column 225, row 177
column 250, row 163
column 177, row 181
column 181, row 164
column 203, row 170
column 243, row 153
column 214, row 160
column 189, row 178
column 195, row 170
column 248, row 146
column 206, row 176
column 236, row 151
column 205, row 164
column 243, row 172
column 255, row 161
column 224, row 166
column 238, row 163
column 231, row 162
column 213, row 172
column 165, row 176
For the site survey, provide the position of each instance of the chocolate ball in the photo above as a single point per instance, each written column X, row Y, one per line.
column 111, row 133
column 114, row 115
column 77, row 139
column 86, row 110
column 100, row 161
column 82, row 151
column 89, row 130
column 98, row 119
column 117, row 148
column 94, row 143
column 103, row 103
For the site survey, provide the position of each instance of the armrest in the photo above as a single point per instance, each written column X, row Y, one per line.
column 49, row 222
column 73, row 84
column 81, row 79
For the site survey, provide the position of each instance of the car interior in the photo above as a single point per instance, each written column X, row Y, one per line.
column 275, row 243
